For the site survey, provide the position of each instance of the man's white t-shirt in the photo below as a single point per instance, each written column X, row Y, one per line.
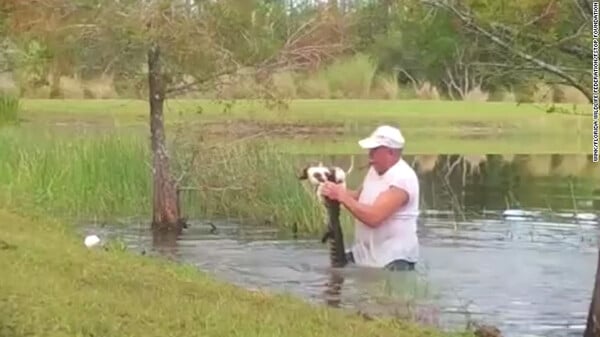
column 396, row 237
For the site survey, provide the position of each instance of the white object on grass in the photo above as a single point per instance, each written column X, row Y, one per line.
column 91, row 240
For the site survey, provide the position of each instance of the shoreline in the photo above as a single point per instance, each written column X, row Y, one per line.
column 56, row 285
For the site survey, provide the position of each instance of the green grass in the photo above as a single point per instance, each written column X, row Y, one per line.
column 419, row 143
column 9, row 109
column 408, row 113
column 74, row 176
column 429, row 126
column 53, row 286
column 108, row 176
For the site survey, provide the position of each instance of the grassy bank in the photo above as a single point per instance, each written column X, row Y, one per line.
column 53, row 286
column 409, row 113
column 306, row 126
column 435, row 143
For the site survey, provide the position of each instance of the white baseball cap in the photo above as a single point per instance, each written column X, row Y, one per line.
column 384, row 135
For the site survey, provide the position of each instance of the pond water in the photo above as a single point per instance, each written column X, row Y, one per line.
column 505, row 240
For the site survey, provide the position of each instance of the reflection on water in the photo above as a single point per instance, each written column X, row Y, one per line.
column 506, row 240
column 478, row 182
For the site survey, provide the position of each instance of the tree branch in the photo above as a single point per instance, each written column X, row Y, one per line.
column 171, row 92
column 541, row 16
column 588, row 6
column 469, row 21
column 525, row 67
column 584, row 15
column 570, row 49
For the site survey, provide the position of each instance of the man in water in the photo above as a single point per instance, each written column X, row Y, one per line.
column 385, row 207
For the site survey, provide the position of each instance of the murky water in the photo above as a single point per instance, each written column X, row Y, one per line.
column 503, row 246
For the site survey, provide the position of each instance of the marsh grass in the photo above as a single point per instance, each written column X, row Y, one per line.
column 53, row 286
column 105, row 175
column 251, row 180
column 108, row 176
column 9, row 109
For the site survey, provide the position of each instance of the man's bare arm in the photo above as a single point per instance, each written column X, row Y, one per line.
column 373, row 215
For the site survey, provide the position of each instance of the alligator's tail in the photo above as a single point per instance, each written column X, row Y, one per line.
column 334, row 234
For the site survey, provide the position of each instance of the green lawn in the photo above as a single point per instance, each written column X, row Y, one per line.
column 429, row 126
column 315, row 111
column 53, row 286
column 419, row 143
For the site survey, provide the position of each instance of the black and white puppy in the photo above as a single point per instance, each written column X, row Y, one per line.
column 319, row 174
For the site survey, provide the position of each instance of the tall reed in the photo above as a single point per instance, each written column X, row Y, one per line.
column 108, row 176
column 9, row 108
column 103, row 176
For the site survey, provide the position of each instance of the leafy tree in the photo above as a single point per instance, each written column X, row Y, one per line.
column 203, row 40
column 546, row 38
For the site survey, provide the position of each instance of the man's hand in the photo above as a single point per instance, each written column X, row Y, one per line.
column 333, row 191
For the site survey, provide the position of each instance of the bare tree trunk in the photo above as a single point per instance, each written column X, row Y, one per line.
column 592, row 328
column 55, row 90
column 165, row 200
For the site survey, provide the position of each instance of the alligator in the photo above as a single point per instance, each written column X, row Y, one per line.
column 334, row 234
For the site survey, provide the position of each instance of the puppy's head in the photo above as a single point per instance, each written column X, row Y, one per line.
column 315, row 174
column 331, row 175
column 307, row 170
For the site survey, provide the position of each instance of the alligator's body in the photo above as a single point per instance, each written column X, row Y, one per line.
column 337, row 251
